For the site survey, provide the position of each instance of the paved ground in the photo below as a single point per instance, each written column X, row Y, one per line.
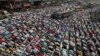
column 35, row 33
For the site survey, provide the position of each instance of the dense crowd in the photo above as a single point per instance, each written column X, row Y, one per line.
column 36, row 34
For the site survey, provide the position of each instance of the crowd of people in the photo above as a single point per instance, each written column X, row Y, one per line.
column 34, row 33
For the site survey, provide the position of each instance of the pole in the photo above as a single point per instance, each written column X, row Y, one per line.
column 10, row 5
